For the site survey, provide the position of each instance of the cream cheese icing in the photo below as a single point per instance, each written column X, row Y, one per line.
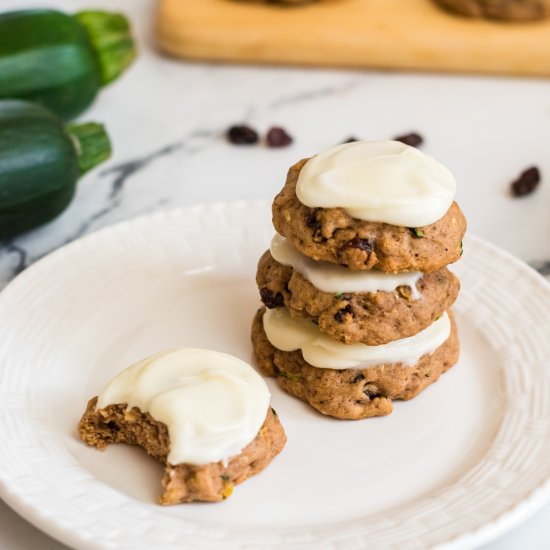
column 378, row 181
column 329, row 277
column 319, row 350
column 212, row 403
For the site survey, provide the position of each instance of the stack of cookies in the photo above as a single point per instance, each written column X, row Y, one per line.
column 355, row 286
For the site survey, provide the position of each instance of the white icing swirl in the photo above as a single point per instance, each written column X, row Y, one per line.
column 329, row 277
column 378, row 181
column 212, row 403
column 319, row 350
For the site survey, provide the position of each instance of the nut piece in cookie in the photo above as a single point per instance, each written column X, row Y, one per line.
column 184, row 408
column 353, row 392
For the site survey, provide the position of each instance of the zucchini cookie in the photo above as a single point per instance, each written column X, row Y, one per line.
column 185, row 409
column 360, row 383
column 509, row 10
column 424, row 235
column 411, row 303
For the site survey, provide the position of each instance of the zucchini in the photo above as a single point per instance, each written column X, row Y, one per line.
column 62, row 61
column 41, row 160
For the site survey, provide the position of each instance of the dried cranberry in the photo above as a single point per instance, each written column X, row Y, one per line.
column 313, row 222
column 341, row 314
column 242, row 135
column 413, row 139
column 527, row 182
column 366, row 245
column 270, row 299
column 278, row 137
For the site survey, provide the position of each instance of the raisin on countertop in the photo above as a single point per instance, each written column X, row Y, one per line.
column 413, row 139
column 278, row 137
column 526, row 183
column 242, row 135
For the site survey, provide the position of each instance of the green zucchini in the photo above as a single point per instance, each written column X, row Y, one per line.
column 41, row 160
column 61, row 61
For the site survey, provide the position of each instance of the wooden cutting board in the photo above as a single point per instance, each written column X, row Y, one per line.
column 389, row 34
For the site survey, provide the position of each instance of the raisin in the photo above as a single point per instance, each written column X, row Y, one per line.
column 358, row 378
column 527, row 182
column 341, row 314
column 371, row 391
column 113, row 426
column 315, row 224
column 278, row 137
column 270, row 299
column 242, row 135
column 413, row 139
column 366, row 245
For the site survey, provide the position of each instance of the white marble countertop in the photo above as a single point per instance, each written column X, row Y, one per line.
column 167, row 120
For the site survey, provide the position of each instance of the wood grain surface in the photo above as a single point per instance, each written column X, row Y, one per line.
column 389, row 34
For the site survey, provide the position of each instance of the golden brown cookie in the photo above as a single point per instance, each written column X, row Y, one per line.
column 182, row 482
column 332, row 235
column 351, row 393
column 371, row 318
column 509, row 10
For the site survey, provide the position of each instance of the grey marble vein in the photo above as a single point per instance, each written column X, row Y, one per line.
column 20, row 258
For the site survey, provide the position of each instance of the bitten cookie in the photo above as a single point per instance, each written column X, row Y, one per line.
column 351, row 393
column 332, row 235
column 181, row 482
column 509, row 10
column 372, row 318
column 185, row 408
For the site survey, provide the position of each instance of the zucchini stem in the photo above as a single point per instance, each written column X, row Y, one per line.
column 92, row 144
column 111, row 39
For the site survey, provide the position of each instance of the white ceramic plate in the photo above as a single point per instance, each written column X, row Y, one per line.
column 454, row 467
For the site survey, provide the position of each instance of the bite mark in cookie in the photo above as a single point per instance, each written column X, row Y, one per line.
column 195, row 410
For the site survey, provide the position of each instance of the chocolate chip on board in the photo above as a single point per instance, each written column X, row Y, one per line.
column 526, row 183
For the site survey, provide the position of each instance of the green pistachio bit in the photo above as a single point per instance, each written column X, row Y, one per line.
column 290, row 376
column 339, row 295
column 224, row 477
column 418, row 233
